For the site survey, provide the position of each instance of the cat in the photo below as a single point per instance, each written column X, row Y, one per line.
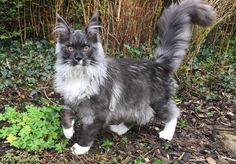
column 119, row 93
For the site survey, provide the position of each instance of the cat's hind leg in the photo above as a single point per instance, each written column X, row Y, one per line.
column 67, row 121
column 169, row 114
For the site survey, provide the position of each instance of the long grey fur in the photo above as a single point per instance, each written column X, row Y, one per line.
column 175, row 30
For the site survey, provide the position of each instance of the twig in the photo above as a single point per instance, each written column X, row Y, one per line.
column 225, row 129
column 84, row 13
column 150, row 151
column 19, row 22
column 227, row 158
column 49, row 98
column 118, row 12
column 197, row 160
column 224, row 157
column 226, row 124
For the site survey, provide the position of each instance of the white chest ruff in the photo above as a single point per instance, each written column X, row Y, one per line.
column 77, row 84
column 78, row 89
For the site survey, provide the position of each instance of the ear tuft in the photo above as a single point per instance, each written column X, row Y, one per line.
column 93, row 26
column 62, row 28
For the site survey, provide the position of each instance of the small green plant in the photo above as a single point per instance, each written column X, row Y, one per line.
column 167, row 145
column 35, row 129
column 198, row 109
column 182, row 122
column 211, row 97
column 124, row 140
column 102, row 162
column 139, row 160
column 107, row 144
column 210, row 114
column 158, row 161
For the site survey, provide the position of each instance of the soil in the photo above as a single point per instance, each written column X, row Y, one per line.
column 208, row 136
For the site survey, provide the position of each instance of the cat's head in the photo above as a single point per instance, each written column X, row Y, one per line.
column 79, row 47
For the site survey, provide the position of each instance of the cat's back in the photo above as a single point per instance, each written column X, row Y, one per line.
column 137, row 69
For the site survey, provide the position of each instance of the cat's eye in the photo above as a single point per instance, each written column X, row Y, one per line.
column 86, row 48
column 70, row 49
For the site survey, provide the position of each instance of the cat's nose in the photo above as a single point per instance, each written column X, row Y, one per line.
column 78, row 58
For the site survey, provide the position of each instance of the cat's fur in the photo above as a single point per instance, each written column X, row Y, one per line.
column 118, row 93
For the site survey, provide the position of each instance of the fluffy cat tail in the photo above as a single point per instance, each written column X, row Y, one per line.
column 175, row 30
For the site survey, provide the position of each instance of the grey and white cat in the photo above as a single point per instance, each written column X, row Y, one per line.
column 118, row 93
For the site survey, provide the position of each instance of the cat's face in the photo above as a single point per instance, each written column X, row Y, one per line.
column 78, row 47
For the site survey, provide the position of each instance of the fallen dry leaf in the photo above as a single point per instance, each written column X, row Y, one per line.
column 210, row 160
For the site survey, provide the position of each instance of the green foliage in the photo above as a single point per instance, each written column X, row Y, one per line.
column 35, row 129
column 124, row 140
column 182, row 122
column 198, row 109
column 141, row 52
column 20, row 159
column 167, row 145
column 213, row 70
column 7, row 29
column 139, row 161
column 107, row 144
column 158, row 161
column 210, row 114
column 26, row 66
column 101, row 162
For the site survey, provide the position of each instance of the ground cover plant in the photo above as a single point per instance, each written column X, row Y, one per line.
column 26, row 65
column 34, row 129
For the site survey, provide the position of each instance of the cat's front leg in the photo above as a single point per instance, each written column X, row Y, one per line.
column 67, row 121
column 88, row 134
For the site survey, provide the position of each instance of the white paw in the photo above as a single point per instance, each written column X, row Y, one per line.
column 79, row 150
column 70, row 131
column 169, row 130
column 119, row 129
column 167, row 135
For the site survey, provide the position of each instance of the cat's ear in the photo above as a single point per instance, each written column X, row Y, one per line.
column 62, row 28
column 92, row 28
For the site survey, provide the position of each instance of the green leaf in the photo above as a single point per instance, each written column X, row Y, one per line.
column 36, row 128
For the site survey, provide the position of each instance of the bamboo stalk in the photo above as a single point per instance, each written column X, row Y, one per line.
column 19, row 23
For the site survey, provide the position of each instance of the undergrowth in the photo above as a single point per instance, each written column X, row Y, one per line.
column 26, row 65
column 35, row 129
column 212, row 71
column 215, row 69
